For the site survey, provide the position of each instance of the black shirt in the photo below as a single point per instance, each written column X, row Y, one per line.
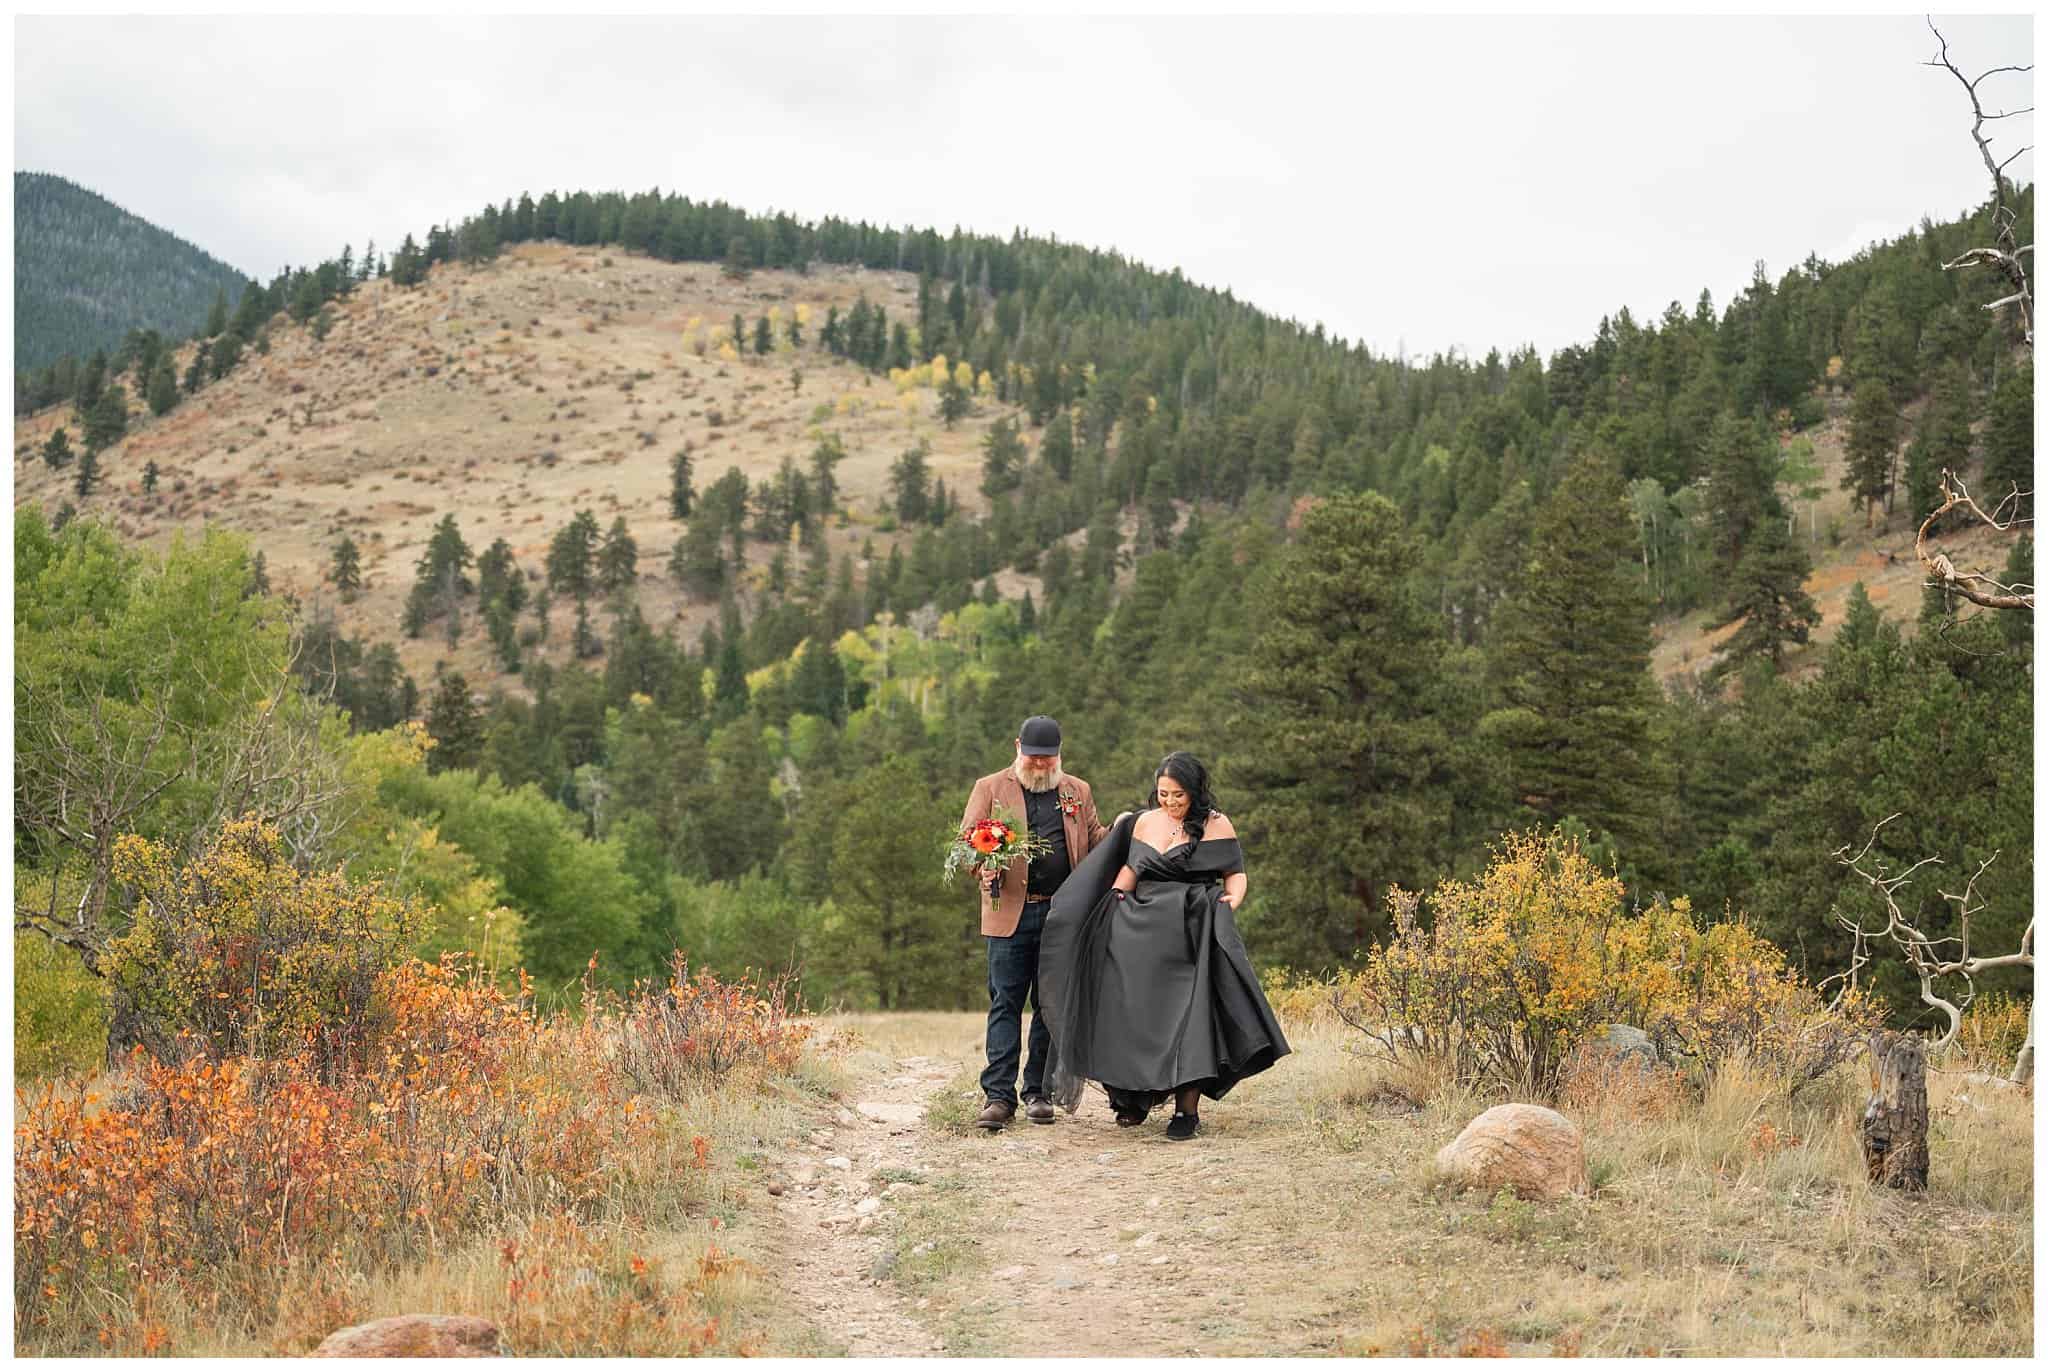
column 1042, row 813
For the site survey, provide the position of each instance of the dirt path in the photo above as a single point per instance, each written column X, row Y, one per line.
column 908, row 1233
column 835, row 1251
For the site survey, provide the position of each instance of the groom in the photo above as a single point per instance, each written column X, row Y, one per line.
column 1033, row 791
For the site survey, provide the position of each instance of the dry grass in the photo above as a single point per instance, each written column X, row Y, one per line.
column 1737, row 1224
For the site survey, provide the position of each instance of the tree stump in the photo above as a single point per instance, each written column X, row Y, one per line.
column 1895, row 1121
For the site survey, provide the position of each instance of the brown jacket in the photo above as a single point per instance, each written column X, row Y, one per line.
column 1084, row 830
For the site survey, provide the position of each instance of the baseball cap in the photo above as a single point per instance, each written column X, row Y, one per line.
column 1040, row 737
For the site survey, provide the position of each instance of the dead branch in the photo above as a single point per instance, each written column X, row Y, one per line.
column 1931, row 959
column 2006, row 258
column 1972, row 586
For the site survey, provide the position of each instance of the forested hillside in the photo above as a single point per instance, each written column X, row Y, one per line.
column 87, row 273
column 1399, row 609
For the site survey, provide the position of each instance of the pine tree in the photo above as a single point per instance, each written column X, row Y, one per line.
column 163, row 387
column 585, row 642
column 347, row 572
column 953, row 401
column 1739, row 485
column 108, row 421
column 456, row 726
column 697, row 562
column 447, row 559
column 729, row 697
column 91, row 382
column 88, row 475
column 825, row 459
column 418, row 603
column 764, row 337
column 259, row 575
column 1572, row 659
column 1002, row 458
column 501, row 621
column 1343, row 749
column 2009, row 441
column 910, row 484
column 196, row 370
column 1873, row 441
column 618, row 561
column 57, row 449
column 679, row 486
column 570, row 554
column 498, row 578
column 739, row 258
column 1056, row 450
column 1769, row 597
column 2018, row 625
column 149, row 477
column 217, row 317
column 222, row 357
column 818, row 686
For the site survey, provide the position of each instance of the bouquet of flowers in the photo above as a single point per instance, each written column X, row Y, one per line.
column 987, row 846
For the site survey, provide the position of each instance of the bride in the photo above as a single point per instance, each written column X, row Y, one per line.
column 1146, row 982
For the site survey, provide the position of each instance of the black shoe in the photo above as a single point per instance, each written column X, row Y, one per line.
column 1183, row 1126
column 1130, row 1119
column 1038, row 1110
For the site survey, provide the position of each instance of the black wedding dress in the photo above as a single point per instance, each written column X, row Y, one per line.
column 1152, row 992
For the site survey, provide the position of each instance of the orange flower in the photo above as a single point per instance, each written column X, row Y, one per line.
column 985, row 841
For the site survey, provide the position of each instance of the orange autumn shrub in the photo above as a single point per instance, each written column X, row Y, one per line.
column 692, row 1033
column 1520, row 967
column 463, row 1111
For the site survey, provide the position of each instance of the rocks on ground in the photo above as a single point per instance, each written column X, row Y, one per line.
column 414, row 1336
column 1534, row 1150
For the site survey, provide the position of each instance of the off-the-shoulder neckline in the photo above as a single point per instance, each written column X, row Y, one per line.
column 1228, row 838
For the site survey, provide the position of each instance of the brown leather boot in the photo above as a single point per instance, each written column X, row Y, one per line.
column 1038, row 1110
column 996, row 1114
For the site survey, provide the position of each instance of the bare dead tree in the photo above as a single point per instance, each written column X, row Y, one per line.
column 90, row 762
column 1975, row 587
column 2008, row 256
column 1933, row 960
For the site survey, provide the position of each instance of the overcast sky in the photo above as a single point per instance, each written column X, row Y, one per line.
column 1464, row 182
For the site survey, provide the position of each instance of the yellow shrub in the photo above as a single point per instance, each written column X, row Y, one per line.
column 246, row 954
column 1993, row 1029
column 1539, row 953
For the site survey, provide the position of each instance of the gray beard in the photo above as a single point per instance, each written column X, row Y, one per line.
column 1024, row 779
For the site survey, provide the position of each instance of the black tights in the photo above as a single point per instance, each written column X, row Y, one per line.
column 1187, row 1100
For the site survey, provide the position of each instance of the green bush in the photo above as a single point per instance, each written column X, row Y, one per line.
column 60, row 1011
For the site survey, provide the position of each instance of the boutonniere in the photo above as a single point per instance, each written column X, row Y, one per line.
column 1070, row 804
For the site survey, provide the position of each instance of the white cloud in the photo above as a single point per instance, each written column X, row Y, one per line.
column 1472, row 181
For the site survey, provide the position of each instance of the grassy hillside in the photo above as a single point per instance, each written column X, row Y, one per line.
column 87, row 271
column 512, row 395
column 558, row 378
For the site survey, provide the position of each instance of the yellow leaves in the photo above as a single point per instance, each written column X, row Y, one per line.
column 1539, row 952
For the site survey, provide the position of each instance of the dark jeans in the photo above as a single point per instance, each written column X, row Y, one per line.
column 1012, row 976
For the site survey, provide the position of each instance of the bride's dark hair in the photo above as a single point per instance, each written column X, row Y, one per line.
column 1194, row 779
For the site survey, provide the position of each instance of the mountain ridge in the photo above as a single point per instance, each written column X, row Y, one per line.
column 87, row 271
